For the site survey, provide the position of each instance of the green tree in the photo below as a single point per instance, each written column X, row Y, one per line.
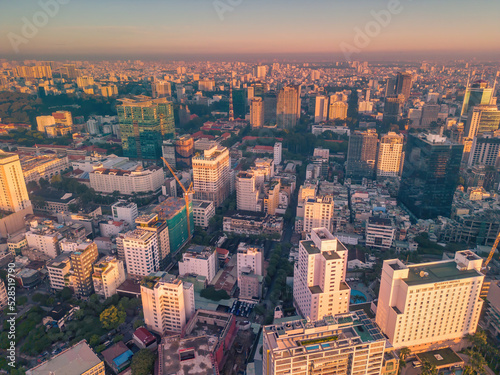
column 111, row 318
column 428, row 369
column 143, row 362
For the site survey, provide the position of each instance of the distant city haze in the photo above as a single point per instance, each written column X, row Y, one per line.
column 311, row 30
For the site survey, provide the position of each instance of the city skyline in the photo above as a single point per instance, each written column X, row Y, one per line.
column 259, row 30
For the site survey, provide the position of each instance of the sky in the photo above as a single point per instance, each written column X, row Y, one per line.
column 370, row 29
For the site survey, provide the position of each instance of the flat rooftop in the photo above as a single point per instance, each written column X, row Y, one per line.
column 437, row 272
column 441, row 358
column 186, row 356
column 310, row 247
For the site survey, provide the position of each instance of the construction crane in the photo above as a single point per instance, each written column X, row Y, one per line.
column 189, row 190
column 486, row 284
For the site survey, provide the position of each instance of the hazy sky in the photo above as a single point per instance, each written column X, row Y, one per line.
column 107, row 28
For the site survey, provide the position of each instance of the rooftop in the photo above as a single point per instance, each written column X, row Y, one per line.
column 186, row 356
column 441, row 358
column 437, row 272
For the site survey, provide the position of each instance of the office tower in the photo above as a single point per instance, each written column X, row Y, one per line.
column 240, row 103
column 206, row 85
column 43, row 121
column 13, row 194
column 319, row 287
column 344, row 344
column 318, row 213
column 361, row 154
column 338, row 111
column 479, row 93
column 482, row 119
column 403, row 85
column 257, row 112
column 167, row 303
column 430, row 175
column 247, row 193
column 144, row 124
column 430, row 114
column 63, row 118
column 260, row 71
column 184, row 151
column 211, row 175
column 288, row 107
column 485, row 150
column 201, row 261
column 430, row 304
column 152, row 223
column 379, row 232
column 390, row 86
column 161, row 89
column 109, row 274
column 142, row 255
column 392, row 108
column 270, row 107
column 271, row 196
column 390, row 154
column 126, row 211
column 278, row 150
column 168, row 151
column 81, row 264
column 249, row 262
column 321, row 109
column 70, row 71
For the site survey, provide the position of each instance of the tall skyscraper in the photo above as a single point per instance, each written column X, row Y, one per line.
column 13, row 193
column 319, row 287
column 430, row 175
column 142, row 255
column 390, row 151
column 240, row 103
column 430, row 113
column 260, row 71
column 482, row 119
column 403, row 85
column 184, row 151
column 152, row 223
column 211, row 175
column 278, row 150
column 485, row 150
column 288, row 107
column 430, row 304
column 167, row 303
column 321, row 109
column 247, row 192
column 479, row 93
column 270, row 106
column 257, row 112
column 392, row 108
column 362, row 154
column 144, row 124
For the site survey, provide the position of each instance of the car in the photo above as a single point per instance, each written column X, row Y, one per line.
column 416, row 364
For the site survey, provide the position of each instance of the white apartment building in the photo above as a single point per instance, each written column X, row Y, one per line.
column 430, row 305
column 485, row 150
column 167, row 303
column 249, row 259
column 306, row 191
column 127, row 182
column 126, row 211
column 199, row 260
column 13, row 193
column 58, row 269
column 109, row 274
column 43, row 166
column 343, row 344
column 379, row 232
column 390, row 152
column 211, row 175
column 257, row 112
column 263, row 170
column 111, row 228
column 247, row 192
column 319, row 287
column 141, row 251
column 318, row 213
column 203, row 211
column 45, row 240
column 278, row 151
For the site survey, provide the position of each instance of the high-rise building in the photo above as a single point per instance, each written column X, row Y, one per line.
column 431, row 304
column 184, row 151
column 288, row 107
column 249, row 260
column 167, row 302
column 36, row 72
column 13, row 193
column 392, row 108
column 109, row 274
column 43, row 121
column 257, row 112
column 81, row 264
column 403, row 85
column 168, row 151
column 343, row 344
column 85, row 81
column 278, row 151
column 70, row 71
column 142, row 255
column 240, row 103
column 430, row 175
column 126, row 211
column 260, row 71
column 390, row 155
column 271, row 196
column 151, row 223
column 479, row 93
column 321, row 109
column 161, row 89
column 211, row 175
column 379, row 232
column 362, row 154
column 57, row 269
column 206, row 85
column 318, row 213
column 319, row 287
column 144, row 124
column 482, row 119
column 270, row 107
column 247, row 192
column 201, row 261
column 485, row 150
column 63, row 118
column 430, row 113
column 338, row 111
